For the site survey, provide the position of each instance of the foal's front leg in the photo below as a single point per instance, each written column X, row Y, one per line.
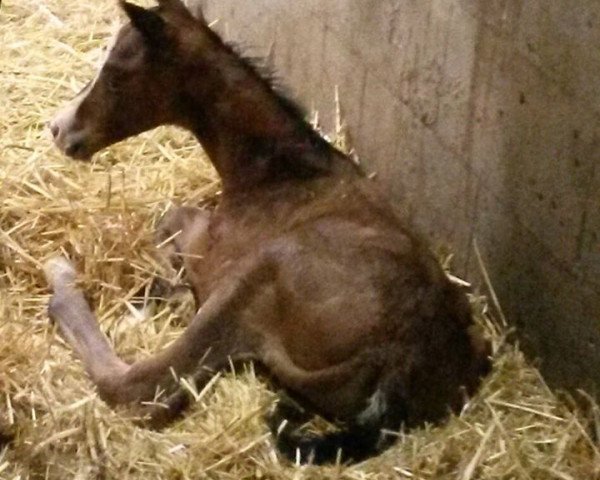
column 213, row 336
column 181, row 232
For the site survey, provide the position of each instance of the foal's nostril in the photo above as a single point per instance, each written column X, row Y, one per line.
column 54, row 130
column 74, row 149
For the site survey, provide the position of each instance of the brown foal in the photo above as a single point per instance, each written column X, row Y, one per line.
column 302, row 268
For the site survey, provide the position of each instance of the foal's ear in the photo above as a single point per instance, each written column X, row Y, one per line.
column 179, row 6
column 174, row 5
column 149, row 23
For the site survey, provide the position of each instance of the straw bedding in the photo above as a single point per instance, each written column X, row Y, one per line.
column 102, row 215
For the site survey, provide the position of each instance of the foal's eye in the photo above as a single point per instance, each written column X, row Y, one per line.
column 113, row 83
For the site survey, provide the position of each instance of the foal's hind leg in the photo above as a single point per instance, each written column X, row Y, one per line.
column 213, row 336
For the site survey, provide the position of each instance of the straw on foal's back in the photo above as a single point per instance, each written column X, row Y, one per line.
column 303, row 267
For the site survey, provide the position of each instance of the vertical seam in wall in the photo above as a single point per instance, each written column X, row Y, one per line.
column 580, row 239
column 581, row 234
column 323, row 49
column 468, row 144
column 361, row 101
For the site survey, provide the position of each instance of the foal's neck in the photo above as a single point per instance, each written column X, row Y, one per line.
column 252, row 134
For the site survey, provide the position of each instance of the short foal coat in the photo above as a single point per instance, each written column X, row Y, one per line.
column 303, row 267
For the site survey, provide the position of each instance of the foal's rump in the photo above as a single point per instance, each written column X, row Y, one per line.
column 368, row 295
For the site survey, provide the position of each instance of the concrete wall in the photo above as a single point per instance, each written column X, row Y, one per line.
column 483, row 116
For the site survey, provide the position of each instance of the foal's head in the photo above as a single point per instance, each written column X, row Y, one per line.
column 137, row 88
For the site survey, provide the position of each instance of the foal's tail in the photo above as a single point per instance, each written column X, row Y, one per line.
column 353, row 444
column 367, row 435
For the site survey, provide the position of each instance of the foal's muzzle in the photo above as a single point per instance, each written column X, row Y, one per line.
column 72, row 142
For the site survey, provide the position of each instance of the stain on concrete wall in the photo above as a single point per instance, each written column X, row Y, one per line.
column 482, row 118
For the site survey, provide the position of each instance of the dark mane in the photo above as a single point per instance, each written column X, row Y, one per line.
column 261, row 69
column 306, row 160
